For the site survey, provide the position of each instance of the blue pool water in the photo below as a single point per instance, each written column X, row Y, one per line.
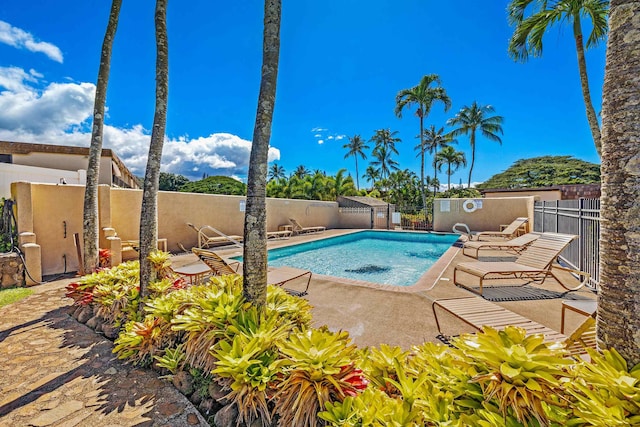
column 384, row 257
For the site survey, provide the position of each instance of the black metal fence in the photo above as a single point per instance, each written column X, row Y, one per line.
column 580, row 217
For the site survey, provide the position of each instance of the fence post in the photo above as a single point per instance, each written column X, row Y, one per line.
column 580, row 235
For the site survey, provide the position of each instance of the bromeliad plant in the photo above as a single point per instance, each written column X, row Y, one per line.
column 606, row 392
column 519, row 374
column 319, row 367
column 249, row 361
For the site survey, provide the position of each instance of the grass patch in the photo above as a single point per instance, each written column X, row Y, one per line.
column 7, row 296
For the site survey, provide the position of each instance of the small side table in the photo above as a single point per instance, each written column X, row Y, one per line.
column 195, row 272
column 584, row 307
column 285, row 227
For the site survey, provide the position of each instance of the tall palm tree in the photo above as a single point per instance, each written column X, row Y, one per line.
column 618, row 305
column 149, row 210
column 384, row 161
column 355, row 148
column 255, row 220
column 472, row 118
column 423, row 96
column 433, row 140
column 529, row 31
column 90, row 229
column 276, row 172
column 372, row 175
column 453, row 159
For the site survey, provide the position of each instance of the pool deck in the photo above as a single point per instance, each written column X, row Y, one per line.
column 58, row 372
column 374, row 314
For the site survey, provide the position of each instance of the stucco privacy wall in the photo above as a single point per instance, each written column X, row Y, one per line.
column 47, row 210
column 224, row 213
column 494, row 211
column 53, row 213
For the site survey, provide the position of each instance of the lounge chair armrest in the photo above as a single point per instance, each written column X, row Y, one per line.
column 235, row 265
column 579, row 273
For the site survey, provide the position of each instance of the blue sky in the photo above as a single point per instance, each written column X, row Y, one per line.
column 341, row 65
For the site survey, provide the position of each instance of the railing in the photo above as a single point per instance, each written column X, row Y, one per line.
column 580, row 217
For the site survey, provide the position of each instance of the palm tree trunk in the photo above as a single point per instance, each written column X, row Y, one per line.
column 357, row 180
column 618, row 302
column 584, row 82
column 149, row 211
column 424, row 197
column 472, row 143
column 90, row 226
column 255, row 221
column 448, row 175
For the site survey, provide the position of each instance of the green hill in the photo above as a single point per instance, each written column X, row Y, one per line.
column 216, row 185
column 545, row 171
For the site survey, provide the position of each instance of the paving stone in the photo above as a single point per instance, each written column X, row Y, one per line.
column 52, row 416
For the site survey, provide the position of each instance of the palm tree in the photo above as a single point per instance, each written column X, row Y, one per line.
column 387, row 139
column 355, row 148
column 618, row 310
column 383, row 160
column 90, row 229
column 453, row 159
column 276, row 172
column 301, row 171
column 433, row 140
column 372, row 175
column 423, row 95
column 527, row 37
column 149, row 210
column 473, row 118
column 255, row 220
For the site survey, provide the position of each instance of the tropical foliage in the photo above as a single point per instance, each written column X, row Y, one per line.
column 544, row 172
column 316, row 186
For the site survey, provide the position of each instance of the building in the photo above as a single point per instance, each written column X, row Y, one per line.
column 59, row 164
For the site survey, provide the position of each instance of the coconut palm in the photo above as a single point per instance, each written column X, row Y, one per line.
column 301, row 171
column 355, row 148
column 90, row 230
column 276, row 172
column 149, row 210
column 423, row 96
column 618, row 305
column 453, row 159
column 387, row 139
column 529, row 31
column 255, row 222
column 384, row 161
column 473, row 118
column 433, row 140
column 372, row 175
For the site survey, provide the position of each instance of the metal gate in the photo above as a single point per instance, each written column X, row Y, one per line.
column 580, row 217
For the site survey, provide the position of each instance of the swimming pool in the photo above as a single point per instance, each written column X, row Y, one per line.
column 384, row 257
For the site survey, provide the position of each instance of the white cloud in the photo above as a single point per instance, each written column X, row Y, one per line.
column 323, row 135
column 61, row 114
column 21, row 39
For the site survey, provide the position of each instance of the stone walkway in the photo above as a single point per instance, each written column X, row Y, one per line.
column 55, row 371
